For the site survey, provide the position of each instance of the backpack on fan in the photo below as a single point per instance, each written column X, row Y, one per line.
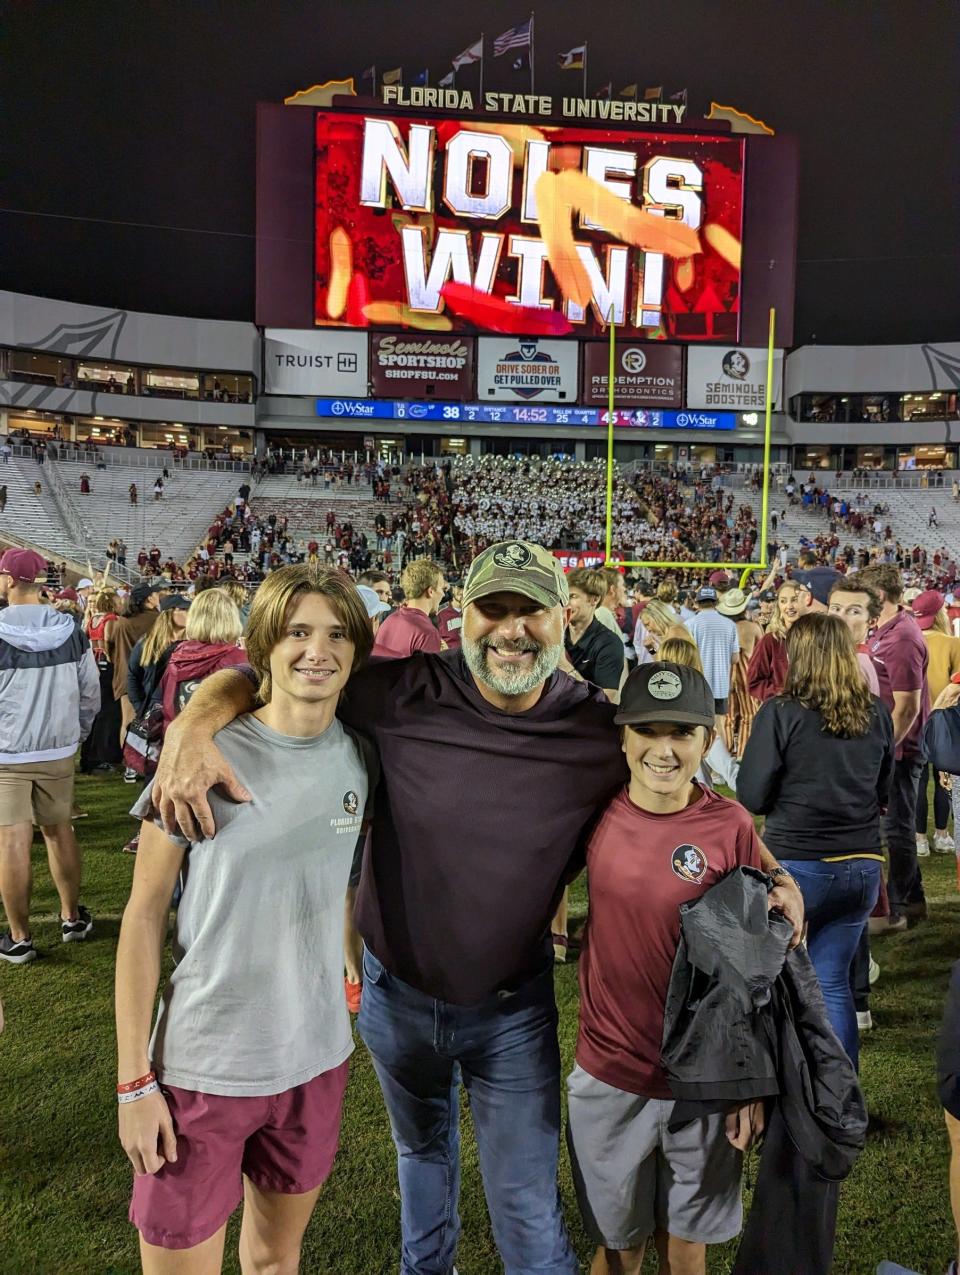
column 143, row 741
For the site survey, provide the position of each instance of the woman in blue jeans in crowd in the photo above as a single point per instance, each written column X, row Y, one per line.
column 818, row 765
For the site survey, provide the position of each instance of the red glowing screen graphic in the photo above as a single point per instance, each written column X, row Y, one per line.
column 486, row 225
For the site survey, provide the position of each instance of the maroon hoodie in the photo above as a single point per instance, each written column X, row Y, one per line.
column 189, row 664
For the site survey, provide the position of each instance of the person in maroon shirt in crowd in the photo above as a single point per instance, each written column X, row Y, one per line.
column 898, row 645
column 450, row 618
column 767, row 671
column 410, row 628
column 662, row 842
column 458, row 967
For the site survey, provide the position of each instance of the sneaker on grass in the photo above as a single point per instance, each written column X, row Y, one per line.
column 864, row 1020
column 17, row 952
column 923, row 846
column 943, row 843
column 76, row 930
column 130, row 776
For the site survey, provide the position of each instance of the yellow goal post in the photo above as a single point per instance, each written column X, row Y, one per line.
column 745, row 569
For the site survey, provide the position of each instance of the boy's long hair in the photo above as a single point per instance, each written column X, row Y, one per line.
column 277, row 595
column 825, row 675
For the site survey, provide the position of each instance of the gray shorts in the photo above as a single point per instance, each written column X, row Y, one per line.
column 633, row 1176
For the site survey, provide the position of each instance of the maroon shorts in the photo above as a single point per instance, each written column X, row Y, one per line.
column 284, row 1142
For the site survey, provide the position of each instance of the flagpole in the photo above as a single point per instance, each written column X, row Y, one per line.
column 531, row 52
column 584, row 68
column 481, row 70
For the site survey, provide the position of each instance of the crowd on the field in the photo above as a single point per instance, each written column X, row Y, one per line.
column 818, row 694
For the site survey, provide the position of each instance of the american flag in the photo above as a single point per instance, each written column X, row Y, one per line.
column 516, row 38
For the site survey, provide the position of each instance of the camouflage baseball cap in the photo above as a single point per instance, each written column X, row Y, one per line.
column 517, row 566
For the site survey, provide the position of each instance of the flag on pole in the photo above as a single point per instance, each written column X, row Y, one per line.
column 422, row 78
column 473, row 54
column 393, row 77
column 628, row 90
column 448, row 81
column 517, row 37
column 572, row 60
column 653, row 94
column 679, row 97
column 369, row 74
column 521, row 61
column 605, row 91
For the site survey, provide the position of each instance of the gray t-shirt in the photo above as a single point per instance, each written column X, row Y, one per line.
column 255, row 1004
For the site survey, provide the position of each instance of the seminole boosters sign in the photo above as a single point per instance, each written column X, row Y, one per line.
column 538, row 231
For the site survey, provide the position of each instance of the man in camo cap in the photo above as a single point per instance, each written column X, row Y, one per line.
column 492, row 766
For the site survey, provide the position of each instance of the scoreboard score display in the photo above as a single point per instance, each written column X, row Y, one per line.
column 552, row 221
column 397, row 220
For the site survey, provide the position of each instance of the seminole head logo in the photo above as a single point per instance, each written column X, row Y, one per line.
column 689, row 863
column 514, row 555
column 736, row 365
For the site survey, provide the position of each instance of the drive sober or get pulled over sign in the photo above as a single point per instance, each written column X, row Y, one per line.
column 422, row 365
column 644, row 375
column 526, row 369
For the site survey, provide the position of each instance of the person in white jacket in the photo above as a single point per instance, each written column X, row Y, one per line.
column 49, row 696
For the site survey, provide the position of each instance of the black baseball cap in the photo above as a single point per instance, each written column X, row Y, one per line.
column 174, row 602
column 768, row 595
column 146, row 589
column 666, row 692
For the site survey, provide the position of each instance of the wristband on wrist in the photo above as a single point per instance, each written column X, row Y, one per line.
column 135, row 1095
column 130, row 1085
column 776, row 874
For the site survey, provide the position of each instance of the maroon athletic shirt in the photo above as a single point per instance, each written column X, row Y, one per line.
column 641, row 867
column 404, row 632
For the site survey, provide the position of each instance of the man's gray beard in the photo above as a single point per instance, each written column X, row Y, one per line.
column 509, row 683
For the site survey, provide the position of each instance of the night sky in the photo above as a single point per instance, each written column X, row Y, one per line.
column 131, row 126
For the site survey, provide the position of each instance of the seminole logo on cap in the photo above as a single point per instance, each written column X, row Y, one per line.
column 516, row 556
column 665, row 685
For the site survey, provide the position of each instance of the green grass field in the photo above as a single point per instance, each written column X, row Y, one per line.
column 64, row 1180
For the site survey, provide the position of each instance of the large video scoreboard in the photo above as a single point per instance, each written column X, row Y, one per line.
column 393, row 220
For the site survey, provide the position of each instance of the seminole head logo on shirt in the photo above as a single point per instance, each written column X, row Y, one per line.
column 689, row 863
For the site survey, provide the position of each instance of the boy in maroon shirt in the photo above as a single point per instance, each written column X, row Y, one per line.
column 661, row 842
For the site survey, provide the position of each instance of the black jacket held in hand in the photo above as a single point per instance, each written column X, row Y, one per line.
column 745, row 1020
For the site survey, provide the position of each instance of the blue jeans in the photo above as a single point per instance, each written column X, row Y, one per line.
column 838, row 899
column 506, row 1052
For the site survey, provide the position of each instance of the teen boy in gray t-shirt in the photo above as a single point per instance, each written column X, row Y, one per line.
column 252, row 1037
